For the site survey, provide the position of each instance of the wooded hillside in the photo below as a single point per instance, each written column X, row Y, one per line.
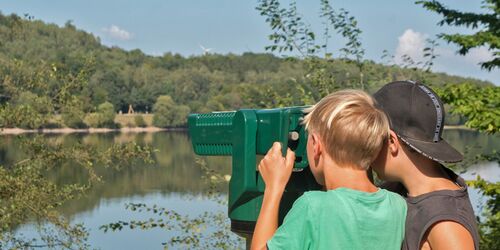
column 37, row 60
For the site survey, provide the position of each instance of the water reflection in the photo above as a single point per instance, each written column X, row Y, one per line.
column 175, row 169
column 175, row 177
column 470, row 142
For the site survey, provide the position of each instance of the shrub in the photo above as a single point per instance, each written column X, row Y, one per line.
column 74, row 119
column 72, row 114
column 107, row 115
column 21, row 116
column 168, row 114
column 93, row 120
column 140, row 122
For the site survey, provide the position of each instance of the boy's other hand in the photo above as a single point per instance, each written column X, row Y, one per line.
column 276, row 169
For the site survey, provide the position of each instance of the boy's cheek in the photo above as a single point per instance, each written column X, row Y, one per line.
column 380, row 174
column 379, row 166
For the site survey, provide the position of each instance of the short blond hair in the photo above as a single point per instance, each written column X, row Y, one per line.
column 350, row 126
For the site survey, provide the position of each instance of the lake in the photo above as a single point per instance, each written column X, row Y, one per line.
column 176, row 182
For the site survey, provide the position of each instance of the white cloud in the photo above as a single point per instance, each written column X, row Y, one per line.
column 473, row 57
column 411, row 44
column 477, row 55
column 451, row 62
column 117, row 33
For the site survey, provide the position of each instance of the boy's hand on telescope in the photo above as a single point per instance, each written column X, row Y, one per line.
column 276, row 169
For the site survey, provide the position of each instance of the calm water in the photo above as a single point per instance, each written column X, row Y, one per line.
column 175, row 182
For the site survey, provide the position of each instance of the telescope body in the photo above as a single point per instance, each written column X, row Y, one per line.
column 245, row 134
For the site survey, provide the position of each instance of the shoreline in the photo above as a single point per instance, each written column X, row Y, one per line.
column 17, row 131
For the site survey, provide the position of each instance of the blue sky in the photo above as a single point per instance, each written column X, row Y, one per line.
column 234, row 26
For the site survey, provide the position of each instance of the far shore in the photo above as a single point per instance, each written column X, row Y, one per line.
column 16, row 131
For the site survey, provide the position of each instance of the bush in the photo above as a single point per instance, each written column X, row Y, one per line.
column 27, row 110
column 74, row 119
column 168, row 114
column 72, row 114
column 103, row 118
column 180, row 115
column 140, row 122
column 21, row 116
column 41, row 104
column 107, row 115
column 93, row 120
column 52, row 125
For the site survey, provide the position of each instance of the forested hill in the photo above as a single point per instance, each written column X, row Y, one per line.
column 210, row 82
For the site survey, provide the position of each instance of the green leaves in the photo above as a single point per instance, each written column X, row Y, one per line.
column 490, row 226
column 480, row 105
column 103, row 118
column 290, row 32
column 487, row 24
column 208, row 230
column 168, row 114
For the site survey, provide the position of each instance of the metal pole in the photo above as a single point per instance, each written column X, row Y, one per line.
column 248, row 239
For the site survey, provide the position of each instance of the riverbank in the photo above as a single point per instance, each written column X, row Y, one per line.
column 16, row 131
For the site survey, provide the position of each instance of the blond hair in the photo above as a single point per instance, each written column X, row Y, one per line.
column 350, row 126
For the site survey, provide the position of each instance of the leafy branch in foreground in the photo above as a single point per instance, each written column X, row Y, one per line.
column 290, row 33
column 490, row 227
column 481, row 105
column 485, row 25
column 27, row 192
column 209, row 230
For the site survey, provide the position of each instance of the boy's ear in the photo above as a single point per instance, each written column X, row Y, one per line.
column 317, row 146
column 394, row 144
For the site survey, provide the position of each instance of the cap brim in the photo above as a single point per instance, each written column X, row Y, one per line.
column 439, row 151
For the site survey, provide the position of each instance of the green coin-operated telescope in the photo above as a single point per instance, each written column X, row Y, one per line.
column 244, row 134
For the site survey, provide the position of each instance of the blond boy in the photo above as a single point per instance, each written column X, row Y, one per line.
column 345, row 134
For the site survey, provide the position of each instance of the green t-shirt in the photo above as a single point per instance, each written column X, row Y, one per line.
column 343, row 219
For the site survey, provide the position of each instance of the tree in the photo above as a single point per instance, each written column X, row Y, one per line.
column 167, row 113
column 60, row 62
column 487, row 23
column 481, row 105
column 139, row 121
column 72, row 114
column 107, row 113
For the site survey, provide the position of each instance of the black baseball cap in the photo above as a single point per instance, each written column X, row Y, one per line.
column 416, row 115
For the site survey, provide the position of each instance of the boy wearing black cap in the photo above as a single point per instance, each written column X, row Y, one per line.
column 440, row 214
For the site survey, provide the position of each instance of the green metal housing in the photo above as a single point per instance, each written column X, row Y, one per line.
column 245, row 134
